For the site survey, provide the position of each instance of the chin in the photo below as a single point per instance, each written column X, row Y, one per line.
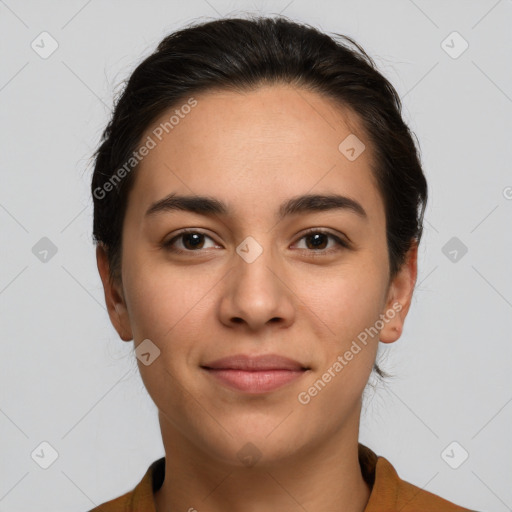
column 261, row 444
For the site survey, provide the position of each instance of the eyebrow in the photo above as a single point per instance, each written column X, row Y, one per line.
column 209, row 206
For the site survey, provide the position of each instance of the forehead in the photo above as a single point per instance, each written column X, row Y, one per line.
column 255, row 149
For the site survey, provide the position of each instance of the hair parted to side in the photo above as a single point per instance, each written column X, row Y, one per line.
column 241, row 54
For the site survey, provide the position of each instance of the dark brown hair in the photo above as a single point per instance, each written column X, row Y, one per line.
column 241, row 54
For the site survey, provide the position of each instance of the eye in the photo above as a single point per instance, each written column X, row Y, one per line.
column 317, row 238
column 191, row 239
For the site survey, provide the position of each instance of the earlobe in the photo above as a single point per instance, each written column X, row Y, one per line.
column 114, row 297
column 400, row 297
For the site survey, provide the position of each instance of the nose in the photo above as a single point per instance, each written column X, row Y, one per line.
column 256, row 293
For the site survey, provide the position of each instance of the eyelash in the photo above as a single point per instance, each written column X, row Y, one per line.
column 342, row 244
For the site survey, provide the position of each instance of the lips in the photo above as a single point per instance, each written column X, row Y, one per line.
column 255, row 363
column 255, row 374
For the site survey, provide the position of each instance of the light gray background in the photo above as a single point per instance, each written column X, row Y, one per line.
column 65, row 376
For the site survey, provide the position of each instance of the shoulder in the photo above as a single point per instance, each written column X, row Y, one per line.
column 412, row 498
column 120, row 504
column 391, row 493
column 141, row 497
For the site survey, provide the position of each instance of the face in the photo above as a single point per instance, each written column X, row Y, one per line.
column 307, row 285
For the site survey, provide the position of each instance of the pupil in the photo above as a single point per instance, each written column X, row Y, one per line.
column 188, row 236
column 316, row 237
column 316, row 244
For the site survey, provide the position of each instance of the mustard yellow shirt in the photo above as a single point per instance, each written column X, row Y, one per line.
column 389, row 492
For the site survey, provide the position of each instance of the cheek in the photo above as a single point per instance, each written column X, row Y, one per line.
column 166, row 308
column 345, row 303
column 160, row 301
column 345, row 310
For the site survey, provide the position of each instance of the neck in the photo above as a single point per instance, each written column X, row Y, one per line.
column 326, row 476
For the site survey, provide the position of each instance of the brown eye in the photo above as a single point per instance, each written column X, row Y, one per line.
column 191, row 241
column 317, row 240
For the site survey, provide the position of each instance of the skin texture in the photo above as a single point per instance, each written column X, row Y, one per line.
column 254, row 151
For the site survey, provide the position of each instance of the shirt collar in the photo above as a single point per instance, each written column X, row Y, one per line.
column 377, row 472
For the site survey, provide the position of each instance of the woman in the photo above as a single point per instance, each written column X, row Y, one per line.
column 258, row 205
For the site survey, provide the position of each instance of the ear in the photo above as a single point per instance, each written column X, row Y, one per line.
column 399, row 297
column 114, row 298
